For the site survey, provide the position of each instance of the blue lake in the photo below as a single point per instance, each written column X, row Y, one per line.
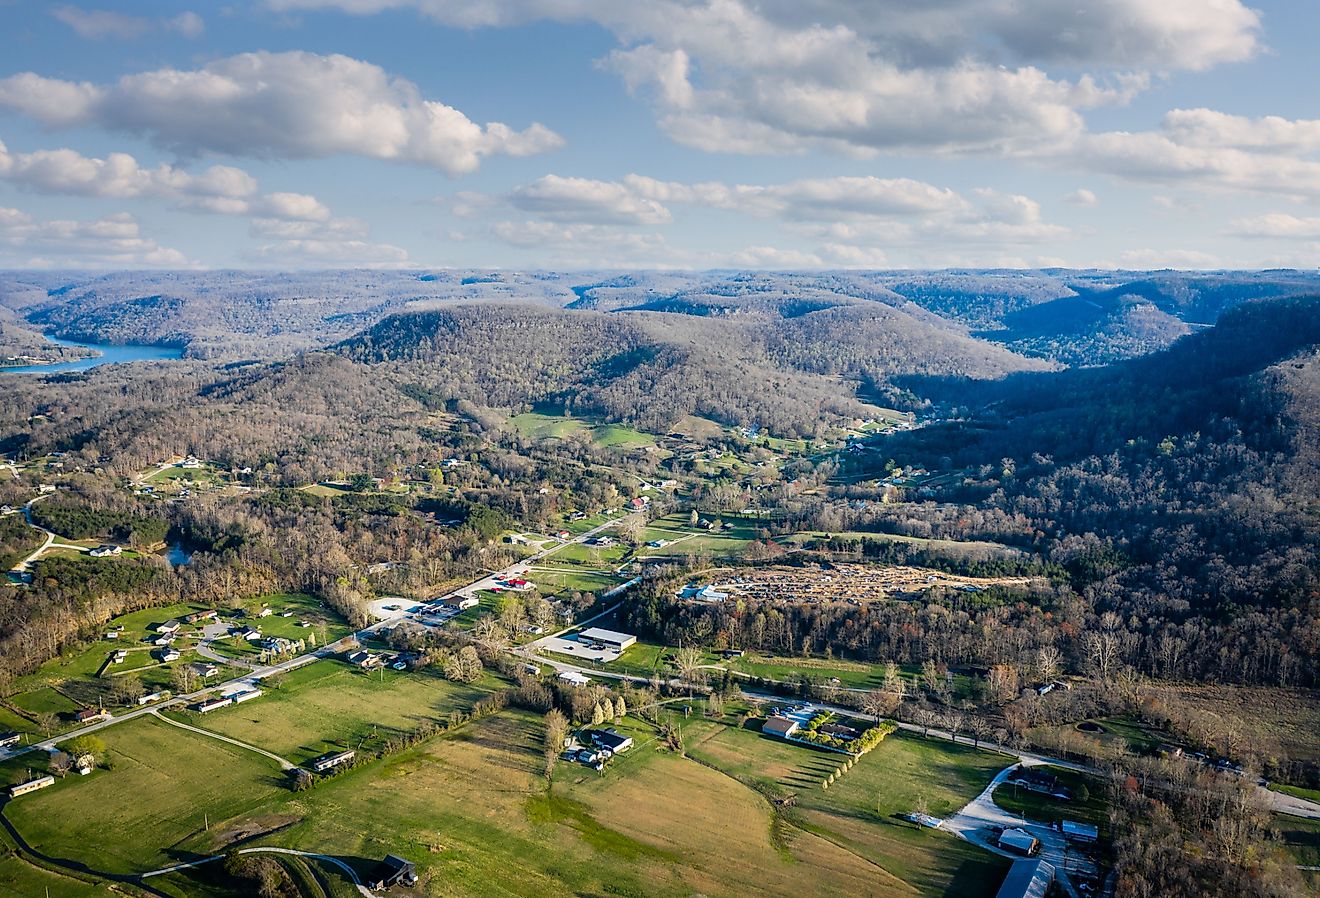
column 110, row 355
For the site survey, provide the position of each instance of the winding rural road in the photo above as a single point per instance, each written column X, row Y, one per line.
column 23, row 566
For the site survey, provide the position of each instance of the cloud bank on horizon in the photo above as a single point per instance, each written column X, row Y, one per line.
column 672, row 133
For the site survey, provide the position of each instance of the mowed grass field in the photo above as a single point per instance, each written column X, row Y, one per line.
column 163, row 785
column 328, row 704
column 861, row 810
column 474, row 812
column 552, row 580
column 557, row 427
column 22, row 879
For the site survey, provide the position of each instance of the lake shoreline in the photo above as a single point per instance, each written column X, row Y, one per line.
column 97, row 354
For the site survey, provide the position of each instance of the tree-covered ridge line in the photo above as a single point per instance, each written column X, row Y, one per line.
column 1077, row 317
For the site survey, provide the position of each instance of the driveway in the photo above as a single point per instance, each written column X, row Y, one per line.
column 981, row 821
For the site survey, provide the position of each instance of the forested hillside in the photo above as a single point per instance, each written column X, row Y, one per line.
column 650, row 369
column 1077, row 318
column 1178, row 491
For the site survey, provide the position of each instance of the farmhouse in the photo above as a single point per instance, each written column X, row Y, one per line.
column 609, row 639
column 169, row 628
column 1019, row 841
column 1027, row 879
column 331, row 760
column 392, row 871
column 198, row 616
column 40, row 782
column 87, row 715
column 210, row 704
column 9, row 740
column 783, row 727
column 206, row 669
column 169, row 654
column 365, row 660
column 106, row 551
column 610, row 740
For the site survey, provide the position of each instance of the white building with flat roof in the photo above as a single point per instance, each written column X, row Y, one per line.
column 610, row 639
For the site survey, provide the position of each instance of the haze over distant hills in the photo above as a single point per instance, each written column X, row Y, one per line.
column 1073, row 317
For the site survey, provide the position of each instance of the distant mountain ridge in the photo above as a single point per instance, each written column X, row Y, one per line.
column 1077, row 318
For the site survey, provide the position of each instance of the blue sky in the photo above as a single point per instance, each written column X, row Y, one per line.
column 671, row 133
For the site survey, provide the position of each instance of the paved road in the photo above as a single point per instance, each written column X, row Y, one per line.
column 1276, row 802
column 284, row 764
column 254, row 677
column 22, row 566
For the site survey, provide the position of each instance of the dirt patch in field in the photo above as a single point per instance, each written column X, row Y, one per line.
column 253, row 828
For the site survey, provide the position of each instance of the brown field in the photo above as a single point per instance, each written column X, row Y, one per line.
column 1273, row 721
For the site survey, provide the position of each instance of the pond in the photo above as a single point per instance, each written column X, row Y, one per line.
column 177, row 555
column 109, row 355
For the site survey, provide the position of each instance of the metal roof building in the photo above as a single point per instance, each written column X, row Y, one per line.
column 1027, row 879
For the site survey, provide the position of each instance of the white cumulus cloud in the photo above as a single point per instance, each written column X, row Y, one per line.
column 287, row 105
column 115, row 241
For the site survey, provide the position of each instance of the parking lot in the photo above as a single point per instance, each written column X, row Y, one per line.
column 582, row 651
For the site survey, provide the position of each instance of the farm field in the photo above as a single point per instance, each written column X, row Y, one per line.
column 329, row 704
column 860, row 811
column 684, row 539
column 163, row 786
column 642, row 828
column 22, row 879
column 1285, row 720
column 592, row 556
column 557, row 427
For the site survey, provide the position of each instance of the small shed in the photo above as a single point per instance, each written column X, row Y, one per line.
column 392, row 871
column 1085, row 833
